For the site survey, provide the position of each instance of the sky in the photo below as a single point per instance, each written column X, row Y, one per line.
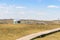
column 30, row 9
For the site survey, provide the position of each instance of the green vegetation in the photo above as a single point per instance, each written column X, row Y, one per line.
column 14, row 31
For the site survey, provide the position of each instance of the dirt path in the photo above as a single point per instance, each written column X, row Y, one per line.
column 31, row 36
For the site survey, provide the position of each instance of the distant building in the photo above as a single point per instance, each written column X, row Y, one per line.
column 23, row 21
column 32, row 22
column 6, row 21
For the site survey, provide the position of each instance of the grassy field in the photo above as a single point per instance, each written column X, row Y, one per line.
column 55, row 36
column 14, row 31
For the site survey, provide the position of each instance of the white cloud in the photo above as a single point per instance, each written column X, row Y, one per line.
column 20, row 7
column 11, row 11
column 53, row 6
column 10, row 6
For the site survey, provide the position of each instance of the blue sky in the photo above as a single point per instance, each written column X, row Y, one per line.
column 30, row 9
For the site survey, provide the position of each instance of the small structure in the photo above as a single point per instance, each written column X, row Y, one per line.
column 6, row 21
column 32, row 22
column 42, row 22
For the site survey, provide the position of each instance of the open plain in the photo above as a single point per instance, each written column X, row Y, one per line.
column 15, row 31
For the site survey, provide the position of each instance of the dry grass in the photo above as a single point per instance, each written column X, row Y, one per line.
column 14, row 31
column 55, row 36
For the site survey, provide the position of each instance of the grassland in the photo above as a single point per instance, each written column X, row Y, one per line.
column 55, row 36
column 14, row 31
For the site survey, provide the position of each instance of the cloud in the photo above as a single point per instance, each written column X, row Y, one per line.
column 10, row 6
column 20, row 7
column 17, row 12
column 53, row 6
column 11, row 11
